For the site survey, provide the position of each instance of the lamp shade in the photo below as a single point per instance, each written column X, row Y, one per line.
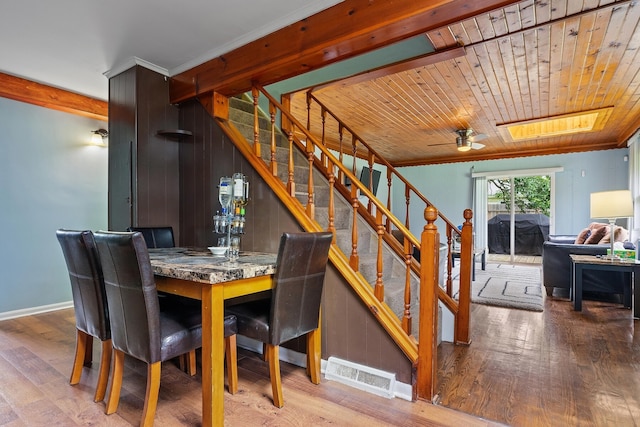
column 611, row 204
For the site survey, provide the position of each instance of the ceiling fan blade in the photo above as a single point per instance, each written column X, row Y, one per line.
column 477, row 145
column 479, row 137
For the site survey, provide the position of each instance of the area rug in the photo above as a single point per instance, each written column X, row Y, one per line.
column 505, row 285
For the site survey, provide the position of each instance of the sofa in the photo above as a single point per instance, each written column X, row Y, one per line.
column 556, row 264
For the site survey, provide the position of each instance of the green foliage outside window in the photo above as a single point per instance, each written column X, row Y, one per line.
column 532, row 193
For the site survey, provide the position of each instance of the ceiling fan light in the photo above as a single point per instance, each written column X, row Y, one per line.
column 463, row 144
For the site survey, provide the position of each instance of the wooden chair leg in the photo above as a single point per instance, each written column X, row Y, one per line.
column 182, row 362
column 88, row 353
column 116, row 382
column 79, row 358
column 274, row 373
column 313, row 355
column 151, row 396
column 103, row 376
column 231, row 354
column 192, row 363
column 187, row 362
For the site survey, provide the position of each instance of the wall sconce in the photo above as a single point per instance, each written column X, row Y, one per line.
column 99, row 136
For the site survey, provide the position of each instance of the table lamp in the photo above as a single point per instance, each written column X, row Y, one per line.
column 611, row 205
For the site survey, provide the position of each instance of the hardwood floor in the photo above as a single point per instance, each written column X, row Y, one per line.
column 36, row 355
column 555, row 368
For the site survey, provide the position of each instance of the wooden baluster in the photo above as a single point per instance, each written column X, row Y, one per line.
column 291, row 185
column 449, row 280
column 354, row 259
column 463, row 318
column 379, row 288
column 323, row 116
column 388, row 227
column 332, row 181
column 407, row 200
column 285, row 124
column 354, row 151
column 340, row 157
column 370, row 159
column 311, row 210
column 272, row 114
column 256, row 124
column 309, row 110
column 406, row 315
column 428, row 322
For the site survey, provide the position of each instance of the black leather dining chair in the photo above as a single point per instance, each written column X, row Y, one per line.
column 156, row 237
column 138, row 327
column 89, row 304
column 162, row 237
column 294, row 307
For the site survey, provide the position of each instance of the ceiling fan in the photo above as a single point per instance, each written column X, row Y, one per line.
column 466, row 140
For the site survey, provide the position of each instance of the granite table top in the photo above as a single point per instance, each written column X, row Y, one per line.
column 199, row 265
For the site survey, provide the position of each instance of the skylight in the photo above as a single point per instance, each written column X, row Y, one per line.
column 585, row 121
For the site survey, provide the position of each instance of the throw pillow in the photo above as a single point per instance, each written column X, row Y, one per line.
column 606, row 238
column 584, row 234
column 596, row 235
column 620, row 235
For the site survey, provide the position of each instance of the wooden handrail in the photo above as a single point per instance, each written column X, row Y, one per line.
column 381, row 159
column 379, row 310
column 319, row 158
column 444, row 295
column 461, row 308
column 345, row 171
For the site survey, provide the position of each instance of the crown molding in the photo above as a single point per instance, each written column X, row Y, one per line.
column 132, row 62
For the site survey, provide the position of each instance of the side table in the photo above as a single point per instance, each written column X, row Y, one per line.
column 481, row 253
column 580, row 263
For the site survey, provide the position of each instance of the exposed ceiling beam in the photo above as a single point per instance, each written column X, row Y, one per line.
column 397, row 67
column 348, row 29
column 30, row 92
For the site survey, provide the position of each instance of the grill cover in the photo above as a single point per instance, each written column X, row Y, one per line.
column 531, row 231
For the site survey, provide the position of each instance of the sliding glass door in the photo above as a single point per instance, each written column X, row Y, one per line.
column 518, row 214
column 514, row 211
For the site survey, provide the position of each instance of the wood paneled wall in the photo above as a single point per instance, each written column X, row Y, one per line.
column 143, row 166
column 350, row 331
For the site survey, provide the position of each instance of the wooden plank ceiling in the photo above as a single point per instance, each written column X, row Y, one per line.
column 530, row 60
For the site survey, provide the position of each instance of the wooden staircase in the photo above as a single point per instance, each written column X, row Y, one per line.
column 241, row 116
column 309, row 180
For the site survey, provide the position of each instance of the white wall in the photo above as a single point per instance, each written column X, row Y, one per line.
column 50, row 178
column 449, row 186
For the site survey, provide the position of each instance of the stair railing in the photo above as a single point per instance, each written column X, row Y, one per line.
column 359, row 148
column 320, row 158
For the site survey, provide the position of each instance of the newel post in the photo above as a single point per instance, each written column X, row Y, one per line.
column 428, row 334
column 463, row 318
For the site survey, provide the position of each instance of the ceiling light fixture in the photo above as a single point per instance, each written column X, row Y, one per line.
column 99, row 136
column 464, row 144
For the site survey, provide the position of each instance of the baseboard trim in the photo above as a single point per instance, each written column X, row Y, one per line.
column 35, row 310
column 400, row 390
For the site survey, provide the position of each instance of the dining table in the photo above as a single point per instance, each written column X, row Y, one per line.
column 197, row 273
